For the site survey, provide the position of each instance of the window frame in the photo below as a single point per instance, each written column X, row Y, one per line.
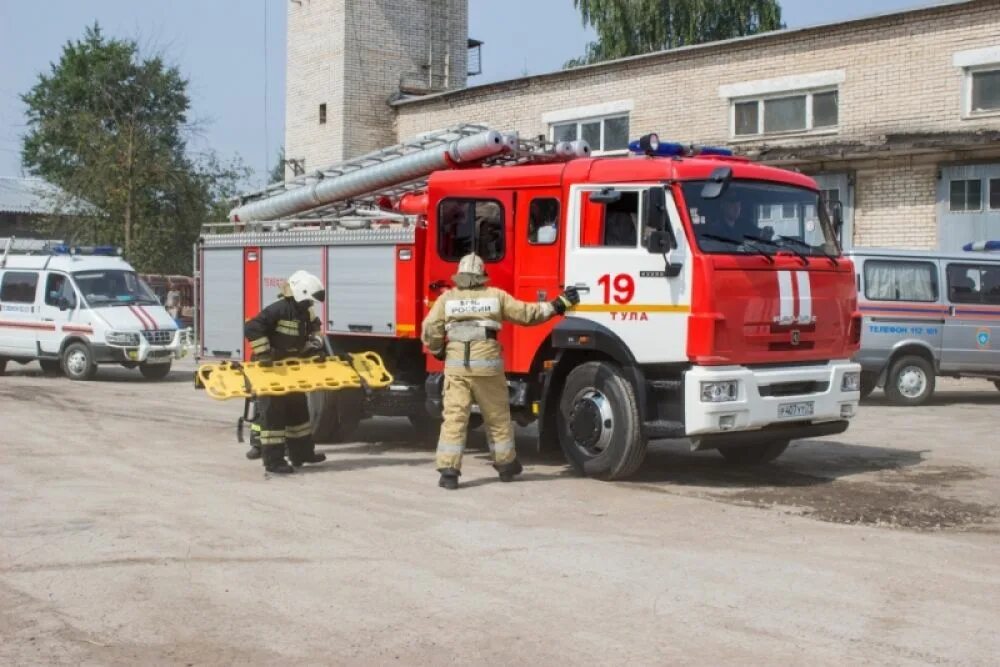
column 626, row 188
column 503, row 226
column 13, row 272
column 602, row 119
column 992, row 185
column 968, row 77
column 935, row 279
column 809, row 128
column 966, row 181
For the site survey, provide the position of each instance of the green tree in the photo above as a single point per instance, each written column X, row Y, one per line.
column 110, row 126
column 633, row 27
column 277, row 174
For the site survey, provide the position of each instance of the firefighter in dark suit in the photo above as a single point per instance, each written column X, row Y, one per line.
column 286, row 329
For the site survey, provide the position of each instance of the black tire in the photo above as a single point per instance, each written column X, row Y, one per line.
column 51, row 366
column 3, row 365
column 752, row 455
column 155, row 371
column 910, row 381
column 869, row 381
column 425, row 427
column 995, row 383
column 596, row 393
column 334, row 414
column 78, row 362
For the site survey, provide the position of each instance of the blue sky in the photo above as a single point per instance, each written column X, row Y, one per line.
column 220, row 46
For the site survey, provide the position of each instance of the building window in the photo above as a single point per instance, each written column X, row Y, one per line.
column 543, row 221
column 966, row 195
column 984, row 86
column 900, row 281
column 18, row 287
column 995, row 194
column 470, row 225
column 603, row 134
column 322, row 114
column 801, row 112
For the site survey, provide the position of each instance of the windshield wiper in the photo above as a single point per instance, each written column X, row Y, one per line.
column 812, row 248
column 736, row 242
column 802, row 256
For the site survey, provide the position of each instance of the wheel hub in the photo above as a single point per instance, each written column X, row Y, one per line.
column 591, row 422
column 77, row 362
column 912, row 382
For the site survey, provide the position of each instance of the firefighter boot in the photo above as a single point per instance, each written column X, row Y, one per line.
column 449, row 479
column 304, row 452
column 254, row 452
column 509, row 470
column 274, row 460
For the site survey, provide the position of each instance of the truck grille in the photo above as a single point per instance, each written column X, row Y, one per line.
column 794, row 388
column 159, row 337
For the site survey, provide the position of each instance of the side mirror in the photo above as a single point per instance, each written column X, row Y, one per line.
column 660, row 239
column 718, row 183
column 606, row 196
column 837, row 214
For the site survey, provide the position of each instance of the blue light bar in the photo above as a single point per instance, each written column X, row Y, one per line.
column 980, row 246
column 100, row 250
column 714, row 150
column 645, row 146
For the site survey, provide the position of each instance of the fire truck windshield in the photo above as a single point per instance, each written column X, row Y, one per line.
column 113, row 287
column 755, row 217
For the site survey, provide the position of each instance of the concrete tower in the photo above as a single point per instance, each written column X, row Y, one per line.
column 348, row 58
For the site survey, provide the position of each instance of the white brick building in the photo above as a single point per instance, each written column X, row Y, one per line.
column 897, row 115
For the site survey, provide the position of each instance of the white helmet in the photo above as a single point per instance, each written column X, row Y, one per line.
column 304, row 286
column 472, row 264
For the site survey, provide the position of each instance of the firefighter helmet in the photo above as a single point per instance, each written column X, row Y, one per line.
column 304, row 286
column 472, row 264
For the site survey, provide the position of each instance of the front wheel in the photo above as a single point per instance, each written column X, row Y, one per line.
column 910, row 381
column 995, row 384
column 869, row 381
column 154, row 371
column 334, row 414
column 3, row 365
column 598, row 422
column 751, row 455
column 78, row 362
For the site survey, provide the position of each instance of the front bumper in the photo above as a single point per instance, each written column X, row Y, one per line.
column 178, row 348
column 762, row 392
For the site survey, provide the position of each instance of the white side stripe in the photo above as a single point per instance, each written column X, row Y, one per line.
column 786, row 298
column 805, row 297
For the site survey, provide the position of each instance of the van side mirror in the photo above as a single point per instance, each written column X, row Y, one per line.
column 605, row 196
column 660, row 239
column 717, row 183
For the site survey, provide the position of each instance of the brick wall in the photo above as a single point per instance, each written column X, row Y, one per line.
column 895, row 206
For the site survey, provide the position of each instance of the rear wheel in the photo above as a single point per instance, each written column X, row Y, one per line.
column 155, row 371
column 334, row 414
column 869, row 381
column 995, row 383
column 910, row 381
column 763, row 452
column 598, row 422
column 78, row 362
column 3, row 365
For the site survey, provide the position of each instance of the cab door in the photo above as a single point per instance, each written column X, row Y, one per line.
column 473, row 221
column 59, row 306
column 624, row 287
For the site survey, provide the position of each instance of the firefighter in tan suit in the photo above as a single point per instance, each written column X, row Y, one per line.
column 462, row 330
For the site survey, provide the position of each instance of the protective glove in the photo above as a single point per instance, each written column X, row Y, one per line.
column 569, row 298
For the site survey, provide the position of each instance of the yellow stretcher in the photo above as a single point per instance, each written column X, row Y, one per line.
column 227, row 379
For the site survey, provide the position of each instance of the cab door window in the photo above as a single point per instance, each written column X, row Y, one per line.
column 611, row 225
column 471, row 225
column 59, row 291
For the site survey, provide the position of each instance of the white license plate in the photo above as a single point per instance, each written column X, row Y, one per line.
column 792, row 410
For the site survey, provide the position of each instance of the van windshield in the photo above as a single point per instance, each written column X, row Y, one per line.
column 113, row 287
column 756, row 217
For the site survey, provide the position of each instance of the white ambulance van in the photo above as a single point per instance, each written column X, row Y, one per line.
column 72, row 309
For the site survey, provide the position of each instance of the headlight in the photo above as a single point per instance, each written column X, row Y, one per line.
column 125, row 338
column 851, row 382
column 719, row 392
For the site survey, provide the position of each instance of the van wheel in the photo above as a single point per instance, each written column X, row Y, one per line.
column 910, row 381
column 334, row 414
column 155, row 371
column 869, row 381
column 598, row 422
column 3, row 365
column 78, row 362
column 995, row 384
column 752, row 455
column 50, row 366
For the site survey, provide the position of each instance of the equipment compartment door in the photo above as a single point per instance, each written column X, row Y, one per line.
column 623, row 286
column 222, row 305
column 361, row 289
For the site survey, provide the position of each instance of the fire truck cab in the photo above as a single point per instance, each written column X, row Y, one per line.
column 715, row 303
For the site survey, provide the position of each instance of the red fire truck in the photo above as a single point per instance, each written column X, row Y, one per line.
column 715, row 303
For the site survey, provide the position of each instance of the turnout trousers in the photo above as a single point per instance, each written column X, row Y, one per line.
column 284, row 420
column 490, row 393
